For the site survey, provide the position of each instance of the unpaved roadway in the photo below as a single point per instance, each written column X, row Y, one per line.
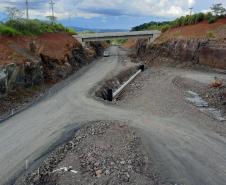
column 174, row 133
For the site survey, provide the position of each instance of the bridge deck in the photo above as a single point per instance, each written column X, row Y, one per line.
column 112, row 35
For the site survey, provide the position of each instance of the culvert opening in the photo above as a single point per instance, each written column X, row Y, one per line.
column 111, row 88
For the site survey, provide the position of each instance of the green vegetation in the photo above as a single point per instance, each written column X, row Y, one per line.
column 188, row 20
column 218, row 9
column 72, row 31
column 165, row 28
column 218, row 12
column 212, row 19
column 117, row 42
column 177, row 33
column 31, row 27
column 86, row 32
column 5, row 30
column 151, row 26
column 210, row 34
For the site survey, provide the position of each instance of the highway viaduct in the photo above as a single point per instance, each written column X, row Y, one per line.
column 85, row 38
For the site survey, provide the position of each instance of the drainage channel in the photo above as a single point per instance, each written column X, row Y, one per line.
column 112, row 95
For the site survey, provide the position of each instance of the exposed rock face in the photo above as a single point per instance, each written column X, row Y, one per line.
column 45, row 62
column 33, row 73
column 213, row 55
column 23, row 75
column 97, row 46
column 183, row 49
column 3, row 81
column 55, row 69
column 197, row 51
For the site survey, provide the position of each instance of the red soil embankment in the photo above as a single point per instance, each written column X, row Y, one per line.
column 200, row 30
column 131, row 43
column 202, row 43
column 55, row 45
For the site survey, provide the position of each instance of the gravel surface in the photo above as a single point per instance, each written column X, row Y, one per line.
column 181, row 141
column 148, row 93
column 102, row 153
column 20, row 99
column 215, row 96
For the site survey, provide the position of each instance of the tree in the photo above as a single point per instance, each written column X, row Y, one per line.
column 218, row 9
column 14, row 13
column 52, row 18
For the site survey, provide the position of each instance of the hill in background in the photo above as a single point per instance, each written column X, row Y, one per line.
column 97, row 30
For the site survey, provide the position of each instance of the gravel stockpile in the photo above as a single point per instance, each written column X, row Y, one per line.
column 100, row 153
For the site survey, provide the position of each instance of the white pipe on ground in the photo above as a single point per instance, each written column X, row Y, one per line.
column 117, row 92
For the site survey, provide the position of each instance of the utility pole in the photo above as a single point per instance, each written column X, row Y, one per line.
column 191, row 9
column 52, row 6
column 27, row 15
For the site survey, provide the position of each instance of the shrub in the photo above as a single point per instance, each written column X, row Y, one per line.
column 165, row 28
column 34, row 27
column 210, row 34
column 212, row 19
column 208, row 15
column 150, row 25
column 5, row 30
column 181, row 21
column 200, row 17
column 192, row 19
column 177, row 34
column 71, row 31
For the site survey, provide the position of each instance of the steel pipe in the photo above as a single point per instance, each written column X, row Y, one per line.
column 118, row 91
column 112, row 95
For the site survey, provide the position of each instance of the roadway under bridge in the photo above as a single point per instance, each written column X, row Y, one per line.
column 84, row 38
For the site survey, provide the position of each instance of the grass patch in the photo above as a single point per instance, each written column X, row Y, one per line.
column 211, row 34
column 71, row 31
column 165, row 28
column 31, row 27
column 8, row 31
column 177, row 34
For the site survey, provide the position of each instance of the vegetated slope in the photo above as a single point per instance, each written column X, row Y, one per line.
column 151, row 26
column 31, row 27
column 203, row 29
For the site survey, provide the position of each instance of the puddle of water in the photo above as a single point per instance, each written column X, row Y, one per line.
column 216, row 114
column 192, row 93
column 197, row 101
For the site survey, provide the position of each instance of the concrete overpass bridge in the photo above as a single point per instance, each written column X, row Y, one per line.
column 85, row 38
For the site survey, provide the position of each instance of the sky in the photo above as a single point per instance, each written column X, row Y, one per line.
column 109, row 14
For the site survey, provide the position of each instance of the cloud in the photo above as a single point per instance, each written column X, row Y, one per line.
column 191, row 2
column 97, row 8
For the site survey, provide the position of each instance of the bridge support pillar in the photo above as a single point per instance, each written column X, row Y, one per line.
column 85, row 44
column 150, row 40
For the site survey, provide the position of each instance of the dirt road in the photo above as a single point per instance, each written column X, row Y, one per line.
column 174, row 133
